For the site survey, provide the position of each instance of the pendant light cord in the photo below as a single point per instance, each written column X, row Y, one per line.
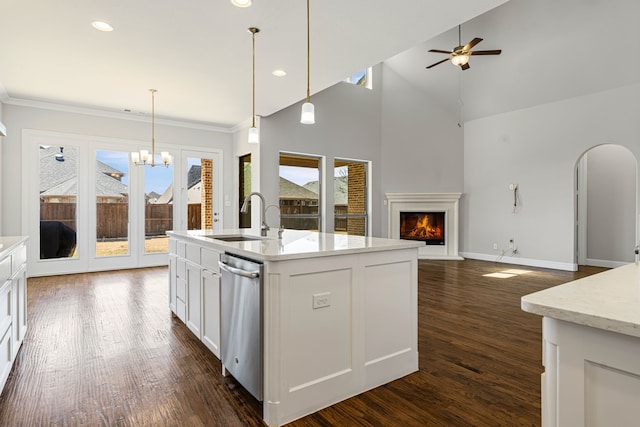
column 308, row 55
column 253, row 78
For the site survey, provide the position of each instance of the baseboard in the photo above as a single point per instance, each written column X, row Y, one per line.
column 604, row 263
column 522, row 261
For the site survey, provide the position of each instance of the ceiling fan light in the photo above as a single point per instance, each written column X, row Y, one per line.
column 254, row 135
column 308, row 116
column 459, row 60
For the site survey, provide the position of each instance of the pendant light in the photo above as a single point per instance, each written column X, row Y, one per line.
column 308, row 111
column 143, row 157
column 254, row 134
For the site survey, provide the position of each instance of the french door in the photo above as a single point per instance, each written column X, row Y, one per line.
column 89, row 208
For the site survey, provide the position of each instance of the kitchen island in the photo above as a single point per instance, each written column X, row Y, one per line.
column 339, row 312
column 590, row 349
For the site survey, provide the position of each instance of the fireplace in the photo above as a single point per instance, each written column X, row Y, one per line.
column 427, row 227
column 428, row 217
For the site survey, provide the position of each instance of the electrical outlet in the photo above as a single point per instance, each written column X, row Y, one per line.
column 495, row 246
column 321, row 300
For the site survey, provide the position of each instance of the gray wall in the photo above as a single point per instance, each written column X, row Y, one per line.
column 18, row 118
column 538, row 148
column 422, row 145
column 611, row 204
column 413, row 144
column 347, row 126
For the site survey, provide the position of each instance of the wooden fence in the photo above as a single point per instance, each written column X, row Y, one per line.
column 112, row 219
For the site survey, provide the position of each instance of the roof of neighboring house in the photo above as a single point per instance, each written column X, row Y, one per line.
column 59, row 178
column 194, row 175
column 290, row 190
column 340, row 186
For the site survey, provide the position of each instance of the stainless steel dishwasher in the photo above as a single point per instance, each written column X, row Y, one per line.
column 241, row 321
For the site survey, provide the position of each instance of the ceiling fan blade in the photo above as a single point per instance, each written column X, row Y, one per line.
column 439, row 62
column 486, row 52
column 472, row 43
column 440, row 51
column 465, row 66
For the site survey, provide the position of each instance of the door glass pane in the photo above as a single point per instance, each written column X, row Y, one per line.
column 350, row 197
column 112, row 203
column 201, row 212
column 299, row 192
column 58, row 198
column 245, row 189
column 158, row 207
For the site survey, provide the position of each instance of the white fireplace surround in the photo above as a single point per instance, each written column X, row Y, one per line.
column 427, row 202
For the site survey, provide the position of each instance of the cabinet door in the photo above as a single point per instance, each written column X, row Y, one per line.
column 193, row 299
column 211, row 311
column 21, row 278
column 173, row 281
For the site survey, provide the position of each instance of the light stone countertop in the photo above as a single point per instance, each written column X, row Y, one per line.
column 295, row 244
column 9, row 243
column 609, row 300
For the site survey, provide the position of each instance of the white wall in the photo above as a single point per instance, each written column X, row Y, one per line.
column 1, row 150
column 18, row 118
column 422, row 145
column 611, row 205
column 538, row 149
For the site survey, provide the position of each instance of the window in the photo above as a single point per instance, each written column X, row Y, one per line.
column 350, row 197
column 158, row 207
column 300, row 192
column 112, row 203
column 58, row 188
column 361, row 78
column 245, row 189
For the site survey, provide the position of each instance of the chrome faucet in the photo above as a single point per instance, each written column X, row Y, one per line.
column 280, row 228
column 263, row 223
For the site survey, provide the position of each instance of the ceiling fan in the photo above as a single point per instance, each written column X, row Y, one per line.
column 460, row 54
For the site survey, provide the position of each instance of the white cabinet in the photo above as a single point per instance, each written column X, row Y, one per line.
column 13, row 301
column 194, row 290
column 211, row 311
column 173, row 282
column 193, row 298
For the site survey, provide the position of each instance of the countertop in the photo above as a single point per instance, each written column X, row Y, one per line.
column 609, row 300
column 9, row 243
column 295, row 244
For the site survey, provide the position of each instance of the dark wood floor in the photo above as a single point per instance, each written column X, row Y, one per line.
column 102, row 349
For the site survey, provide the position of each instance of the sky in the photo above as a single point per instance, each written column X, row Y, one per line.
column 159, row 178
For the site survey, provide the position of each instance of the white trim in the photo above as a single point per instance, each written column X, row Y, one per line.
column 522, row 261
column 112, row 114
column 421, row 202
column 604, row 263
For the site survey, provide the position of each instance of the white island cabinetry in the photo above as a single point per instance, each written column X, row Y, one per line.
column 339, row 314
column 13, row 301
column 194, row 287
column 590, row 349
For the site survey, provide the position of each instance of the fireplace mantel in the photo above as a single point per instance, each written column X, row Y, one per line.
column 427, row 202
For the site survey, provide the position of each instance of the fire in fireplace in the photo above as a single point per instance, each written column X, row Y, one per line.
column 425, row 226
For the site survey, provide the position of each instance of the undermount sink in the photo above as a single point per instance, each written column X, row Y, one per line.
column 237, row 238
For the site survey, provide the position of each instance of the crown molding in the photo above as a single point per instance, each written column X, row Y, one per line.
column 245, row 124
column 108, row 114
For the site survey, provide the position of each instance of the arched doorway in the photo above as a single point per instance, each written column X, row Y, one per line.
column 606, row 214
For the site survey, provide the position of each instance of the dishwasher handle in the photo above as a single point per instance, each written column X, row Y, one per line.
column 238, row 272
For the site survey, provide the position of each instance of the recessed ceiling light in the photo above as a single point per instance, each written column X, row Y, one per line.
column 279, row 73
column 102, row 26
column 241, row 3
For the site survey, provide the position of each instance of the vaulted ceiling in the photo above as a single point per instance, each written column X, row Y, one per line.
column 551, row 50
column 197, row 53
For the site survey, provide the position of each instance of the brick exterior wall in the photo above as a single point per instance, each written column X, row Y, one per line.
column 356, row 187
column 206, row 192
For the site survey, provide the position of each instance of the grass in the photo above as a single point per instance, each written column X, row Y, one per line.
column 121, row 247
